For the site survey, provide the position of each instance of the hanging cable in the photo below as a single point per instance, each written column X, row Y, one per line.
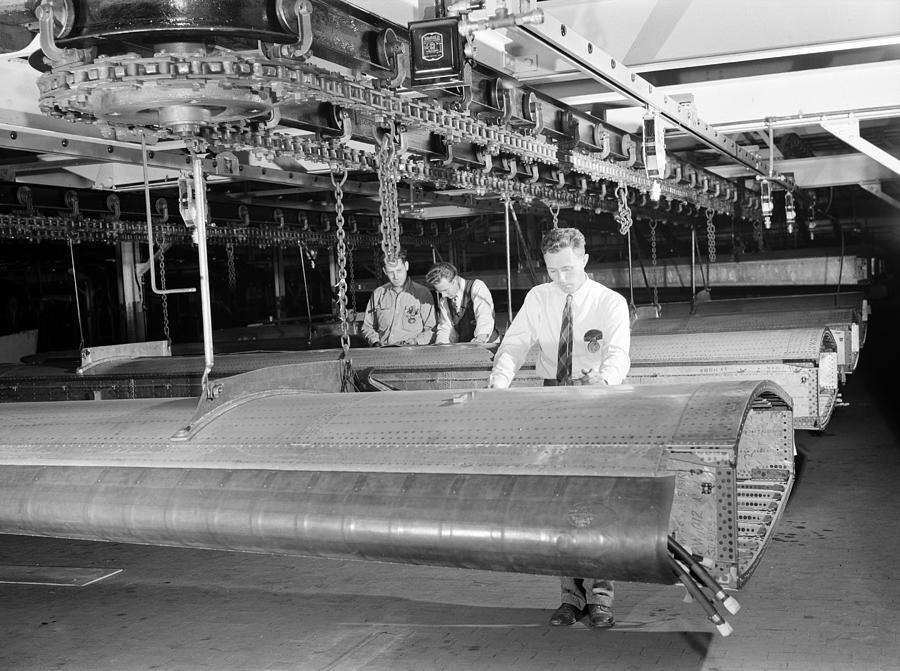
column 77, row 299
column 631, row 306
column 309, row 323
column 507, row 206
column 524, row 243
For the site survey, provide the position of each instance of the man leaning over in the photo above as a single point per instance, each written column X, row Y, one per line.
column 583, row 332
column 465, row 307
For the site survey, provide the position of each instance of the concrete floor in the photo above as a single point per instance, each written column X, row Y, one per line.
column 824, row 598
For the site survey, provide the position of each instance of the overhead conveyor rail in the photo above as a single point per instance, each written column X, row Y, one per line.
column 578, row 481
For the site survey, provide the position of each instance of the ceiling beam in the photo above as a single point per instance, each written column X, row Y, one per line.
column 566, row 43
column 819, row 171
column 750, row 103
column 848, row 131
column 874, row 187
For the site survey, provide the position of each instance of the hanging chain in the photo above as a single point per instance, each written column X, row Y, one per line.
column 711, row 234
column 342, row 258
column 232, row 276
column 351, row 280
column 388, row 176
column 758, row 234
column 554, row 214
column 623, row 216
column 164, row 298
column 653, row 225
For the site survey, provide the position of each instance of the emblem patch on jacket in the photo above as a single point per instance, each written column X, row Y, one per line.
column 412, row 313
column 594, row 340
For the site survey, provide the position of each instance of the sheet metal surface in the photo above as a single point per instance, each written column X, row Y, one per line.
column 566, row 480
column 779, row 345
column 844, row 324
column 795, row 303
column 801, row 361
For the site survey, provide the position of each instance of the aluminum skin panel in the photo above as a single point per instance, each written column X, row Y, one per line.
column 842, row 322
column 794, row 303
column 574, row 526
column 563, row 480
column 801, row 361
column 732, row 346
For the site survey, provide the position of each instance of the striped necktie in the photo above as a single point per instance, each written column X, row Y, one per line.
column 564, row 354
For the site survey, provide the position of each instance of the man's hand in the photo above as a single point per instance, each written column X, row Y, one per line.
column 590, row 376
column 480, row 338
column 375, row 343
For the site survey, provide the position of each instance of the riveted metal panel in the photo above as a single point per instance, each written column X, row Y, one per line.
column 732, row 346
column 546, row 436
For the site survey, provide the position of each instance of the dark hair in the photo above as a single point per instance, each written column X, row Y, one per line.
column 440, row 271
column 559, row 238
column 399, row 256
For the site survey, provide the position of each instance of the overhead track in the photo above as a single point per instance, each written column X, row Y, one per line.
column 590, row 59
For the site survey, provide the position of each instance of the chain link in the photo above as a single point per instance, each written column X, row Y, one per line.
column 758, row 234
column 351, row 280
column 342, row 258
column 232, row 276
column 711, row 235
column 623, row 215
column 554, row 214
column 164, row 298
column 388, row 176
column 653, row 225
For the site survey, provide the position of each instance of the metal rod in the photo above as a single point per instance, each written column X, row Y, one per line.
column 306, row 295
column 630, row 271
column 77, row 300
column 200, row 213
column 705, row 602
column 527, row 250
column 509, row 307
column 693, row 265
column 681, row 554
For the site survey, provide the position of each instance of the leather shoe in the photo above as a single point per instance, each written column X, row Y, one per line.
column 565, row 615
column 600, row 617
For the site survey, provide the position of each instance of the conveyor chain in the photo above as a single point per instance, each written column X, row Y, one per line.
column 258, row 85
column 38, row 229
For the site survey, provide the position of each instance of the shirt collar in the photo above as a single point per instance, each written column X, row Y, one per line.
column 580, row 291
column 403, row 287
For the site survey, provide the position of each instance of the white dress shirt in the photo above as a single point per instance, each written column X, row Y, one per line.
column 482, row 304
column 594, row 308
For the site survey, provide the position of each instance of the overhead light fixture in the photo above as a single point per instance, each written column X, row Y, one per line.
column 654, row 147
column 765, row 202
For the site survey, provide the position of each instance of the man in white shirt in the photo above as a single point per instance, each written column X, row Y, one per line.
column 465, row 308
column 583, row 330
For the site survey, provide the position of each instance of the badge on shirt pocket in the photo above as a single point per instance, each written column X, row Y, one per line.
column 594, row 340
column 412, row 313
